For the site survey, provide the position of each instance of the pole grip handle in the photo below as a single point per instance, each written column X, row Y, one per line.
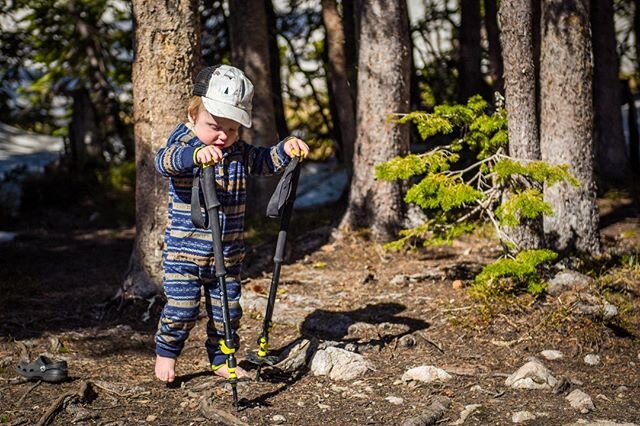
column 208, row 176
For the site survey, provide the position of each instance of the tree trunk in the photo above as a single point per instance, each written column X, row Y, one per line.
column 516, row 20
column 566, row 123
column 351, row 30
column 383, row 86
column 167, row 49
column 250, row 53
column 609, row 137
column 276, row 81
column 345, row 121
column 632, row 123
column 470, row 78
column 496, row 66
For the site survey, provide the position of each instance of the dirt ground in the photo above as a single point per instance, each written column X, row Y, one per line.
column 411, row 309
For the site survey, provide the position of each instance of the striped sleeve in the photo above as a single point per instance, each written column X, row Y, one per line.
column 176, row 157
column 266, row 161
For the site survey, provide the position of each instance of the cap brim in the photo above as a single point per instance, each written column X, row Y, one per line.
column 220, row 109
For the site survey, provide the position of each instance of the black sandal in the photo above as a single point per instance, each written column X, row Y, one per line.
column 43, row 368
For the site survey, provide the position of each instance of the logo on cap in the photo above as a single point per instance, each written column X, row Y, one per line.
column 226, row 92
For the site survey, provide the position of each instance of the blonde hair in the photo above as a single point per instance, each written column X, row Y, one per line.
column 194, row 108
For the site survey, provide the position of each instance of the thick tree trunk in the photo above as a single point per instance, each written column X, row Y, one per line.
column 167, row 50
column 345, row 121
column 250, row 53
column 383, row 85
column 516, row 20
column 609, row 138
column 566, row 123
column 496, row 66
column 470, row 78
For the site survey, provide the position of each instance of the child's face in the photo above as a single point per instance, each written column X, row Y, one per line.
column 217, row 131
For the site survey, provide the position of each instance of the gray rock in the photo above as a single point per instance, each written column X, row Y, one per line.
column 590, row 305
column 609, row 311
column 532, row 375
column 551, row 354
column 568, row 281
column 278, row 419
column 522, row 417
column 592, row 359
column 426, row 374
column 407, row 341
column 399, row 280
column 339, row 364
column 395, row 400
column 580, row 401
column 296, row 355
column 466, row 412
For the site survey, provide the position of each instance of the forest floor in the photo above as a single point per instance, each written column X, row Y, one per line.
column 398, row 310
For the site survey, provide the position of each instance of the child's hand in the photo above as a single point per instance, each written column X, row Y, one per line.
column 208, row 155
column 295, row 147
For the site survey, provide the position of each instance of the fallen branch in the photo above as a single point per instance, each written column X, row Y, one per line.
column 437, row 346
column 219, row 416
column 62, row 401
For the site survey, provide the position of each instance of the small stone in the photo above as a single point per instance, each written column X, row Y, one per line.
column 532, row 375
column 466, row 412
column 395, row 400
column 476, row 388
column 426, row 374
column 592, row 359
column 323, row 406
column 580, row 401
column 407, row 341
column 622, row 389
column 551, row 355
column 399, row 280
column 278, row 419
column 522, row 416
column 609, row 311
column 151, row 418
column 457, row 284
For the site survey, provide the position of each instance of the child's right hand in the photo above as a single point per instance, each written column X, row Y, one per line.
column 208, row 155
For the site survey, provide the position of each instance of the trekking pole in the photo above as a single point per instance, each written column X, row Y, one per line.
column 227, row 345
column 283, row 198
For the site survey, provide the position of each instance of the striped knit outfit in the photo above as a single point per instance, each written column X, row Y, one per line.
column 188, row 258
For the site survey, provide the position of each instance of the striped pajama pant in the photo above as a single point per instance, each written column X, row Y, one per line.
column 183, row 284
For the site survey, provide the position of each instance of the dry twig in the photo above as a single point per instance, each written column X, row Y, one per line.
column 62, row 400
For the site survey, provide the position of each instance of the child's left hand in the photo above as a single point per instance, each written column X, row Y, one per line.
column 295, row 147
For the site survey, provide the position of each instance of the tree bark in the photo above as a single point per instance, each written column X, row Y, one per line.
column 250, row 53
column 345, row 121
column 516, row 20
column 470, row 78
column 167, row 49
column 612, row 161
column 632, row 123
column 276, row 81
column 383, row 85
column 566, row 123
column 496, row 66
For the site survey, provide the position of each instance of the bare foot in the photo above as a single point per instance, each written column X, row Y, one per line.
column 165, row 368
column 223, row 372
